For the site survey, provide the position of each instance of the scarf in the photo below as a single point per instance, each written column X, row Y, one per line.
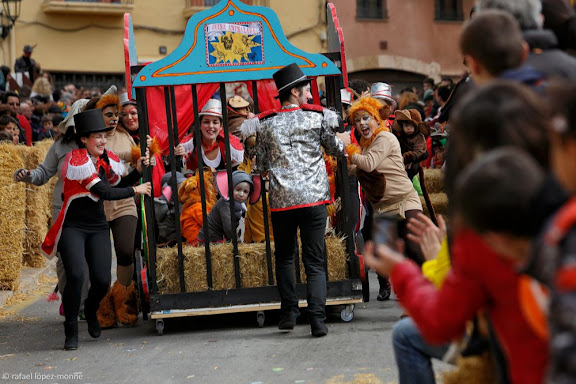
column 365, row 143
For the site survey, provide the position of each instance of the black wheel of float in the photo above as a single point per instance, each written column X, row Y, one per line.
column 160, row 327
column 260, row 318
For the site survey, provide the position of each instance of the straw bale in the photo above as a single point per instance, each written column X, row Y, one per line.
column 253, row 266
column 337, row 259
column 38, row 208
column 439, row 202
column 472, row 369
column 434, row 179
column 12, row 216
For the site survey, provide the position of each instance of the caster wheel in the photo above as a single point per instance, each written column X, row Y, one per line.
column 260, row 318
column 160, row 327
column 347, row 314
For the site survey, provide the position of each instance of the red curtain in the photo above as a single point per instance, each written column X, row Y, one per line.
column 185, row 113
column 267, row 92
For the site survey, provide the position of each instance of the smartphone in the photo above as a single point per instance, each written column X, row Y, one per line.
column 385, row 229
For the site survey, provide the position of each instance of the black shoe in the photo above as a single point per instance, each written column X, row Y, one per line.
column 318, row 327
column 287, row 321
column 71, row 332
column 385, row 289
column 93, row 325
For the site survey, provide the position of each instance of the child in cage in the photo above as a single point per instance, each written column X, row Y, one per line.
column 165, row 209
column 245, row 188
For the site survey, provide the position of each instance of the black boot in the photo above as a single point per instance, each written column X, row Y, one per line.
column 288, row 320
column 92, row 319
column 318, row 327
column 71, row 332
column 385, row 289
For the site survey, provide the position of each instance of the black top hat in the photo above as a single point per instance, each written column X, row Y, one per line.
column 90, row 121
column 288, row 77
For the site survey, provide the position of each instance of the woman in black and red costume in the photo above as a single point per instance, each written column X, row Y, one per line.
column 81, row 230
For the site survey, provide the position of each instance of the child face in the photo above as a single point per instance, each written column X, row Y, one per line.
column 563, row 152
column 47, row 125
column 95, row 143
column 408, row 127
column 12, row 129
column 210, row 126
column 241, row 192
column 439, row 153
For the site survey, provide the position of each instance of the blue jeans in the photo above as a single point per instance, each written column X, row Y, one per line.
column 413, row 354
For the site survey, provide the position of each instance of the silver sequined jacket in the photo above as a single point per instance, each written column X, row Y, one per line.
column 289, row 147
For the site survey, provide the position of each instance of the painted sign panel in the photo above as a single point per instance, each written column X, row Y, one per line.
column 230, row 42
column 234, row 44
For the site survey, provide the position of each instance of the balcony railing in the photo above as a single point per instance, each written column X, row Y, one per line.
column 195, row 6
column 93, row 7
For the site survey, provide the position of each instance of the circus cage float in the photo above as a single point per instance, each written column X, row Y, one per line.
column 230, row 43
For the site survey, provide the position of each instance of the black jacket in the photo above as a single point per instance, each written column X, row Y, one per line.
column 546, row 58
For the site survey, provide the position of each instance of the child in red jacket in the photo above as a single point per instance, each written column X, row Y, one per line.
column 495, row 227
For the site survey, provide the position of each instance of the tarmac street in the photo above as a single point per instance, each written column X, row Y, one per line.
column 206, row 349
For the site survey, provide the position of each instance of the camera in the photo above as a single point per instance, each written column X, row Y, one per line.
column 385, row 229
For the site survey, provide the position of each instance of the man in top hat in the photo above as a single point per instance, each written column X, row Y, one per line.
column 289, row 147
column 26, row 63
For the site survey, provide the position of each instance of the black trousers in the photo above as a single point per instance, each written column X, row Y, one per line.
column 312, row 224
column 77, row 248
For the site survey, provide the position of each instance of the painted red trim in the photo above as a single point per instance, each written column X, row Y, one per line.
column 301, row 206
column 566, row 279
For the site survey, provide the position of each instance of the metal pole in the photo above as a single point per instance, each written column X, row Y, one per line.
column 230, row 186
column 264, row 200
column 198, row 143
column 172, row 125
column 144, row 129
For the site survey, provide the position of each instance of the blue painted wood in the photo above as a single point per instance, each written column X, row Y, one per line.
column 230, row 42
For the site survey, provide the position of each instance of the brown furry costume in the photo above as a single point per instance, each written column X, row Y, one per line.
column 413, row 146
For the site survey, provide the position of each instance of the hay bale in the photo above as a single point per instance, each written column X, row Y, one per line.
column 337, row 259
column 12, row 216
column 439, row 202
column 38, row 207
column 472, row 369
column 434, row 179
column 253, row 266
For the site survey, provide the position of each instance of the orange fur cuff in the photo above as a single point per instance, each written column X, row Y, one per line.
column 154, row 147
column 353, row 149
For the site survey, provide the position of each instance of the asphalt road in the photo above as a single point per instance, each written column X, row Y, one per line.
column 209, row 349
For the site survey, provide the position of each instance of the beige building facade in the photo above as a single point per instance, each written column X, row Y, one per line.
column 403, row 41
column 82, row 41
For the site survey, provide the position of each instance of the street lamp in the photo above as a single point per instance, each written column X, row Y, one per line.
column 11, row 12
